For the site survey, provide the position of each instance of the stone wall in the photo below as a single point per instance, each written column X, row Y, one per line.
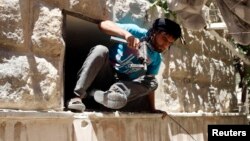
column 198, row 76
column 31, row 51
column 195, row 77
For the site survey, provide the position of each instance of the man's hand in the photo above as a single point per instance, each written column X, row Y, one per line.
column 132, row 42
column 164, row 114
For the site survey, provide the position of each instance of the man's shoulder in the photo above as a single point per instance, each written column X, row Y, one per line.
column 132, row 26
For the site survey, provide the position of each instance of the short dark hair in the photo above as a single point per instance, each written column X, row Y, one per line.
column 167, row 25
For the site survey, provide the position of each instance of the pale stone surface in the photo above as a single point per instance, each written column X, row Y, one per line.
column 22, row 85
column 47, row 32
column 198, row 76
column 11, row 23
column 31, row 77
column 97, row 9
column 130, row 11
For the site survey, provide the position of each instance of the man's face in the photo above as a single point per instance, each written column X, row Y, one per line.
column 162, row 41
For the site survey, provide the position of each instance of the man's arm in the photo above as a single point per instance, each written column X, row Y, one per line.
column 112, row 29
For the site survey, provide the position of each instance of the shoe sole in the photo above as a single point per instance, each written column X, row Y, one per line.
column 76, row 107
column 113, row 101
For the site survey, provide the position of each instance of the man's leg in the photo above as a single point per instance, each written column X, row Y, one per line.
column 141, row 86
column 94, row 63
column 124, row 91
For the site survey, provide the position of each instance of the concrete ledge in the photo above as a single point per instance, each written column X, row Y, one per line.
column 117, row 114
column 116, row 126
column 35, row 114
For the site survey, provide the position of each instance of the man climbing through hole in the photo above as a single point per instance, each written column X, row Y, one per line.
column 125, row 72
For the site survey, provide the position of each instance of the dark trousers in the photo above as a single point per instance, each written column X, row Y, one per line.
column 97, row 73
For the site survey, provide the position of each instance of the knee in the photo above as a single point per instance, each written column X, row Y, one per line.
column 100, row 50
column 151, row 83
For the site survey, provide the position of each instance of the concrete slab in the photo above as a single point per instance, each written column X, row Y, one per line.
column 117, row 126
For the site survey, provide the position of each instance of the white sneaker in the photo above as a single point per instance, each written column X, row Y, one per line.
column 76, row 105
column 114, row 98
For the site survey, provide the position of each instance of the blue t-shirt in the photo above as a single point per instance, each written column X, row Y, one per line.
column 122, row 57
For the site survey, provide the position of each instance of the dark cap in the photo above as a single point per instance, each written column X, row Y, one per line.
column 169, row 26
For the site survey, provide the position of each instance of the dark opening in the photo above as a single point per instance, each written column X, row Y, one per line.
column 80, row 35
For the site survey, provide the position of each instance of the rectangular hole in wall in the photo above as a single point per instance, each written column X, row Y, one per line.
column 79, row 35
